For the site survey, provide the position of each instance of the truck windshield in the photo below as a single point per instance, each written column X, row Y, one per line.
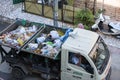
column 100, row 55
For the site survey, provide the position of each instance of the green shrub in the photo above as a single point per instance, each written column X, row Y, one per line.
column 85, row 17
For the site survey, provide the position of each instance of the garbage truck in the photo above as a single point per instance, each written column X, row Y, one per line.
column 57, row 53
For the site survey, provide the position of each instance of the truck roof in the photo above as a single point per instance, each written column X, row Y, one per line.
column 80, row 41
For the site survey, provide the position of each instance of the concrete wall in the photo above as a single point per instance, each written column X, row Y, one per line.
column 112, row 7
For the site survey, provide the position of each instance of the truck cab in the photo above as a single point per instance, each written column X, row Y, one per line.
column 95, row 57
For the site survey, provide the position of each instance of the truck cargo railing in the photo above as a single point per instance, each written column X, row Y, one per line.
column 10, row 36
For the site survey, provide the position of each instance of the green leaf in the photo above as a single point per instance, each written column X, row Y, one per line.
column 85, row 17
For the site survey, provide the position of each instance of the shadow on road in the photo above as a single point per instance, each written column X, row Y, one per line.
column 115, row 61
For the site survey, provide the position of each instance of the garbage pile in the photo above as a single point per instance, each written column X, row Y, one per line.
column 16, row 38
column 46, row 44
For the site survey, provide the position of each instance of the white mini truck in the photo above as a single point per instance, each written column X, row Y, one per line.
column 94, row 59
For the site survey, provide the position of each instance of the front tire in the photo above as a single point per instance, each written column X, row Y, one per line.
column 18, row 73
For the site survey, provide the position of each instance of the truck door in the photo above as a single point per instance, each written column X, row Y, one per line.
column 76, row 70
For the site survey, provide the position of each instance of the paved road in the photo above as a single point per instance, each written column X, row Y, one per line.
column 13, row 12
column 115, row 55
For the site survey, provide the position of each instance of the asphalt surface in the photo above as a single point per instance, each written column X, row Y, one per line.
column 115, row 55
column 14, row 11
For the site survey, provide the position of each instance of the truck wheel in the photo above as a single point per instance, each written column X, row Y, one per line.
column 18, row 73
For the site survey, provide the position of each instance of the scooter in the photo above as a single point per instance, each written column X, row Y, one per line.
column 111, row 28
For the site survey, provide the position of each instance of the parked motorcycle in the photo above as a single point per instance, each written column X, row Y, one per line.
column 110, row 28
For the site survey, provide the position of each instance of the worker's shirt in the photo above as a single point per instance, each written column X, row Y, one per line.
column 75, row 60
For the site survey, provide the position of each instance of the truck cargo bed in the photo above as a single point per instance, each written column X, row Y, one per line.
column 3, row 25
column 5, row 22
column 46, row 47
column 17, row 34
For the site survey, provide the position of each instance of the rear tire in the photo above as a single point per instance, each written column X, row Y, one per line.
column 18, row 73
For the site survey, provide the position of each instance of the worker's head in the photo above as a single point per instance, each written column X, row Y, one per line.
column 77, row 55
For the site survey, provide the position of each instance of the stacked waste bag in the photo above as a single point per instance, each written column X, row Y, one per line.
column 47, row 42
column 35, row 38
column 17, row 34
